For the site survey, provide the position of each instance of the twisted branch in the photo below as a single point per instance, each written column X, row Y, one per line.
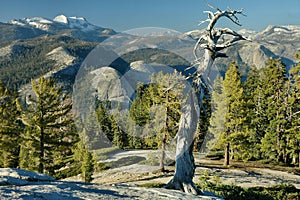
column 211, row 37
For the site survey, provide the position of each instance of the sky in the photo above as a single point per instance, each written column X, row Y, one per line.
column 179, row 15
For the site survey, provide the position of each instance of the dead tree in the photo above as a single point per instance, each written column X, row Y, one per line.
column 212, row 42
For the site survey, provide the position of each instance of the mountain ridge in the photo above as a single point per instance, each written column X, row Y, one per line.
column 45, row 24
column 74, row 37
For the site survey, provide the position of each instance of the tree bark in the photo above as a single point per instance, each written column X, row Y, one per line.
column 227, row 154
column 185, row 166
column 41, row 156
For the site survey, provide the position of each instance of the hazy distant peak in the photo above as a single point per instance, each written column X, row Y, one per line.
column 61, row 19
column 36, row 22
column 75, row 22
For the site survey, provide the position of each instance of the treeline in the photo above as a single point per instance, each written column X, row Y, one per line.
column 258, row 119
column 39, row 134
column 152, row 120
column 254, row 119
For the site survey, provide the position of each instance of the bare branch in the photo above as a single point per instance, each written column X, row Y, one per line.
column 228, row 31
column 210, row 14
column 200, row 40
column 204, row 21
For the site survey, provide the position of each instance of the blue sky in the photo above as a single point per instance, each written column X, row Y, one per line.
column 180, row 15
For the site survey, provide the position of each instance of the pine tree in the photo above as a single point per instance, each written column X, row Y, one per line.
column 119, row 137
column 274, row 143
column 255, row 111
column 10, row 128
column 236, row 134
column 87, row 168
column 157, row 108
column 204, row 122
column 50, row 130
column 104, row 120
column 217, row 119
column 167, row 91
column 84, row 161
column 294, row 111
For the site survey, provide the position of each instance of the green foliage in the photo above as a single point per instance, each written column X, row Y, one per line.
column 50, row 131
column 109, row 125
column 10, row 129
column 83, row 161
column 204, row 121
column 228, row 115
column 234, row 192
column 293, row 109
column 217, row 119
column 104, row 120
column 150, row 55
column 259, row 118
column 158, row 106
column 30, row 60
column 255, row 111
column 275, row 95
column 87, row 167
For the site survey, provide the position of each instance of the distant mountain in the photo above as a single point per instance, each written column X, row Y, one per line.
column 279, row 42
column 77, row 27
column 34, row 47
column 10, row 32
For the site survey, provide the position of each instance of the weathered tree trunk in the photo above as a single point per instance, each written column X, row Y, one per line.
column 185, row 166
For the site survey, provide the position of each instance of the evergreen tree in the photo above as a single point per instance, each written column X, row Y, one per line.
column 50, row 130
column 204, row 121
column 10, row 128
column 236, row 133
column 84, row 161
column 274, row 143
column 294, row 111
column 87, row 168
column 157, row 108
column 109, row 125
column 256, row 117
column 217, row 119
column 104, row 120
column 119, row 137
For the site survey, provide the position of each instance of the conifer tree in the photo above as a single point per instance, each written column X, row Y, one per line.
column 274, row 143
column 159, row 104
column 294, row 111
column 119, row 137
column 204, row 122
column 10, row 128
column 87, row 168
column 217, row 119
column 236, row 134
column 255, row 111
column 167, row 92
column 84, row 161
column 50, row 131
column 104, row 120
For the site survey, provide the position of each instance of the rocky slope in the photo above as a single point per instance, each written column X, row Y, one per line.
column 21, row 184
